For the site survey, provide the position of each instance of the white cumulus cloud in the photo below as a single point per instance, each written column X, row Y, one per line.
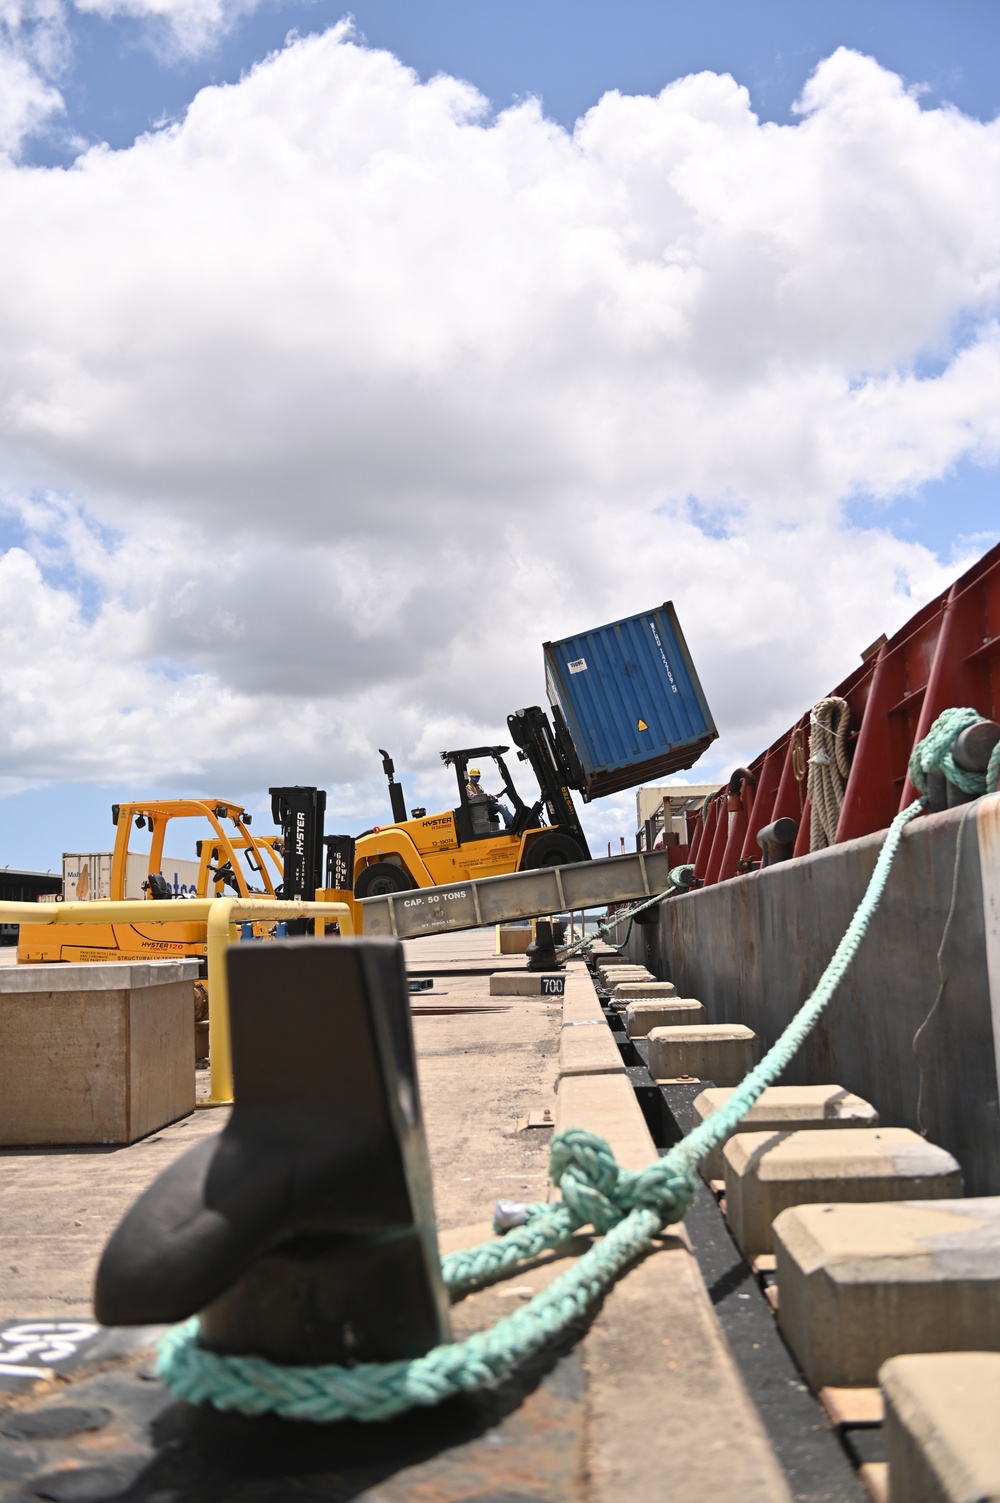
column 345, row 393
column 191, row 25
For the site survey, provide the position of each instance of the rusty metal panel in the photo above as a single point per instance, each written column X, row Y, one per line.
column 948, row 653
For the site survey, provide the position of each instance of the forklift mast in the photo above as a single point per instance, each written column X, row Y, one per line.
column 532, row 735
column 299, row 814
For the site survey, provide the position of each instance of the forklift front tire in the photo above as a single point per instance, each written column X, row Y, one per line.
column 382, row 877
column 553, row 850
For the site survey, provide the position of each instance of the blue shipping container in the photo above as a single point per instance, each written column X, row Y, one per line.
column 627, row 703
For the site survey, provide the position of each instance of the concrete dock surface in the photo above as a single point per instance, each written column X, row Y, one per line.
column 645, row 1402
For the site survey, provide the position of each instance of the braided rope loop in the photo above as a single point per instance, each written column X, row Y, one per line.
column 934, row 751
column 628, row 1207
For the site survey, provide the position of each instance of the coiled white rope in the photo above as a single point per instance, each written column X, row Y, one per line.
column 828, row 769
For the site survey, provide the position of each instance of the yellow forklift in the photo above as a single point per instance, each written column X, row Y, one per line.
column 230, row 858
column 471, row 839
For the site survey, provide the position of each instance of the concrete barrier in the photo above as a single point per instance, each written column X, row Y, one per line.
column 527, row 984
column 942, row 1439
column 99, row 1053
column 786, row 921
column 612, row 977
column 671, row 1012
column 588, row 1048
column 786, row 1109
column 657, row 1327
column 606, row 1104
column 580, row 1003
column 645, row 991
column 766, row 1172
column 861, row 1283
column 722, row 1052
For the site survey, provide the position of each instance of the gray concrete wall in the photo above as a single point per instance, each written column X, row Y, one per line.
column 753, row 948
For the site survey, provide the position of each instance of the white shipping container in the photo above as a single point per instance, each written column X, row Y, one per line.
column 87, row 875
column 181, row 875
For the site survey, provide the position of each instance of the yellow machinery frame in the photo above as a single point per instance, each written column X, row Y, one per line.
column 159, row 812
column 99, row 940
column 220, row 915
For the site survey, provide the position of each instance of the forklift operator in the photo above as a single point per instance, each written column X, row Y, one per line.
column 477, row 795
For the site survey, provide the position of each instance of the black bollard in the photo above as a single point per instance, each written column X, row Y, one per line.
column 303, row 1232
column 972, row 750
column 974, row 746
column 777, row 840
column 541, row 953
column 938, row 791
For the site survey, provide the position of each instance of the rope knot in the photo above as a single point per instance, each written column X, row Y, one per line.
column 583, row 1167
column 660, row 1188
column 600, row 1194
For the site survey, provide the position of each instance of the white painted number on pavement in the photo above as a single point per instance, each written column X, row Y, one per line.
column 36, row 1346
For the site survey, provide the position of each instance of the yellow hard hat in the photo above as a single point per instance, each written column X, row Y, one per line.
column 473, row 772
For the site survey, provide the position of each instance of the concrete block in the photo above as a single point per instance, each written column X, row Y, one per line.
column 607, row 1104
column 669, row 1012
column 647, row 991
column 862, row 1283
column 100, row 1053
column 515, row 940
column 613, row 976
column 766, row 1172
column 942, row 1439
column 786, row 1109
column 723, row 1052
column 526, row 984
column 621, row 993
column 587, row 1048
column 580, row 1001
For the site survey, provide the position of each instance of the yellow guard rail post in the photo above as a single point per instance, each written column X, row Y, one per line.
column 218, row 914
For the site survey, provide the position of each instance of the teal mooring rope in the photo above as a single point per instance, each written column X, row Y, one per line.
column 628, row 1207
column 935, row 751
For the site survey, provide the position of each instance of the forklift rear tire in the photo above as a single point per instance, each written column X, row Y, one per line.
column 553, row 850
column 382, row 877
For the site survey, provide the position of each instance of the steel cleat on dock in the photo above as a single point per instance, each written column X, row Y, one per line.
column 304, row 1231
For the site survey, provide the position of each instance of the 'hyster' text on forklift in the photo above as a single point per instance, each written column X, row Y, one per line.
column 468, row 840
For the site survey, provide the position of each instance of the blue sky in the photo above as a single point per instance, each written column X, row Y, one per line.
column 568, row 52
column 181, row 540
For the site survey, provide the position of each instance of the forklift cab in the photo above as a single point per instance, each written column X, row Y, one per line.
column 479, row 819
column 219, row 867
